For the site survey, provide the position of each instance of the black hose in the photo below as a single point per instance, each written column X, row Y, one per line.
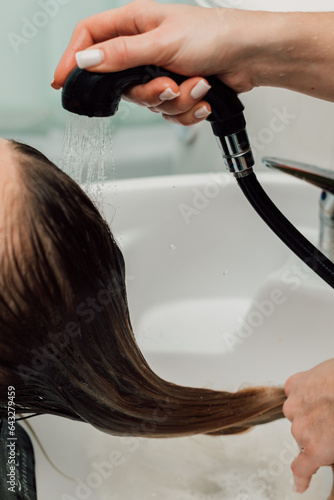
column 286, row 231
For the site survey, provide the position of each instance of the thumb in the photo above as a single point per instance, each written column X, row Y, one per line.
column 120, row 53
column 303, row 470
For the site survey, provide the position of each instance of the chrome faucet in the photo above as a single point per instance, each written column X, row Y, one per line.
column 325, row 180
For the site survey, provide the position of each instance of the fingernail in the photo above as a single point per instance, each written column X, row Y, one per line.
column 202, row 112
column 200, row 89
column 89, row 58
column 55, row 85
column 168, row 95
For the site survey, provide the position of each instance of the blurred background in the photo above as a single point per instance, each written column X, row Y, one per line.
column 34, row 35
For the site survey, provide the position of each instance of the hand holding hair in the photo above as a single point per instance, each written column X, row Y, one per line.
column 310, row 408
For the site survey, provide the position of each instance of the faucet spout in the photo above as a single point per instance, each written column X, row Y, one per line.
column 317, row 176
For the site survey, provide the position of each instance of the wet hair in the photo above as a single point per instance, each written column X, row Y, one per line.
column 66, row 341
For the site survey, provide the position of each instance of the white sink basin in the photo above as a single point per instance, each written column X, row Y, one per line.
column 218, row 283
column 216, row 300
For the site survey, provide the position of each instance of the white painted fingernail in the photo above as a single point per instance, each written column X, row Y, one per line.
column 200, row 89
column 168, row 95
column 89, row 58
column 55, row 85
column 202, row 112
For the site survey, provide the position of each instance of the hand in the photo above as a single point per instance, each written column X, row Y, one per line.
column 310, row 408
column 185, row 39
column 245, row 49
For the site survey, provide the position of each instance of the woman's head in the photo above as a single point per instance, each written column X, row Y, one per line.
column 62, row 279
column 66, row 342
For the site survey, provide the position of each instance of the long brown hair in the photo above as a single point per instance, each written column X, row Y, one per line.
column 66, row 342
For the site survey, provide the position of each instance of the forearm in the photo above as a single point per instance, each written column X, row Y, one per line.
column 295, row 51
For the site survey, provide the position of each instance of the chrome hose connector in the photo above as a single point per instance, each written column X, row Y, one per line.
column 237, row 153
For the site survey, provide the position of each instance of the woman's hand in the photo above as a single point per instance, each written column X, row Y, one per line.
column 310, row 408
column 185, row 39
column 192, row 41
column 244, row 49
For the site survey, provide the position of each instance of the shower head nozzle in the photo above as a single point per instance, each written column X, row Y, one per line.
column 91, row 94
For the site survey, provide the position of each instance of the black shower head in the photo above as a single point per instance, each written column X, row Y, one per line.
column 98, row 94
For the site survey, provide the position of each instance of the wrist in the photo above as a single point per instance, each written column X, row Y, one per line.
column 283, row 45
column 248, row 44
column 296, row 53
column 292, row 50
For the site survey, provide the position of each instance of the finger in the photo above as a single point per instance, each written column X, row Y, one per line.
column 291, row 410
column 288, row 410
column 291, row 382
column 303, row 469
column 96, row 29
column 152, row 93
column 192, row 91
column 116, row 55
column 125, row 52
column 163, row 95
column 195, row 115
column 86, row 33
column 188, row 108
